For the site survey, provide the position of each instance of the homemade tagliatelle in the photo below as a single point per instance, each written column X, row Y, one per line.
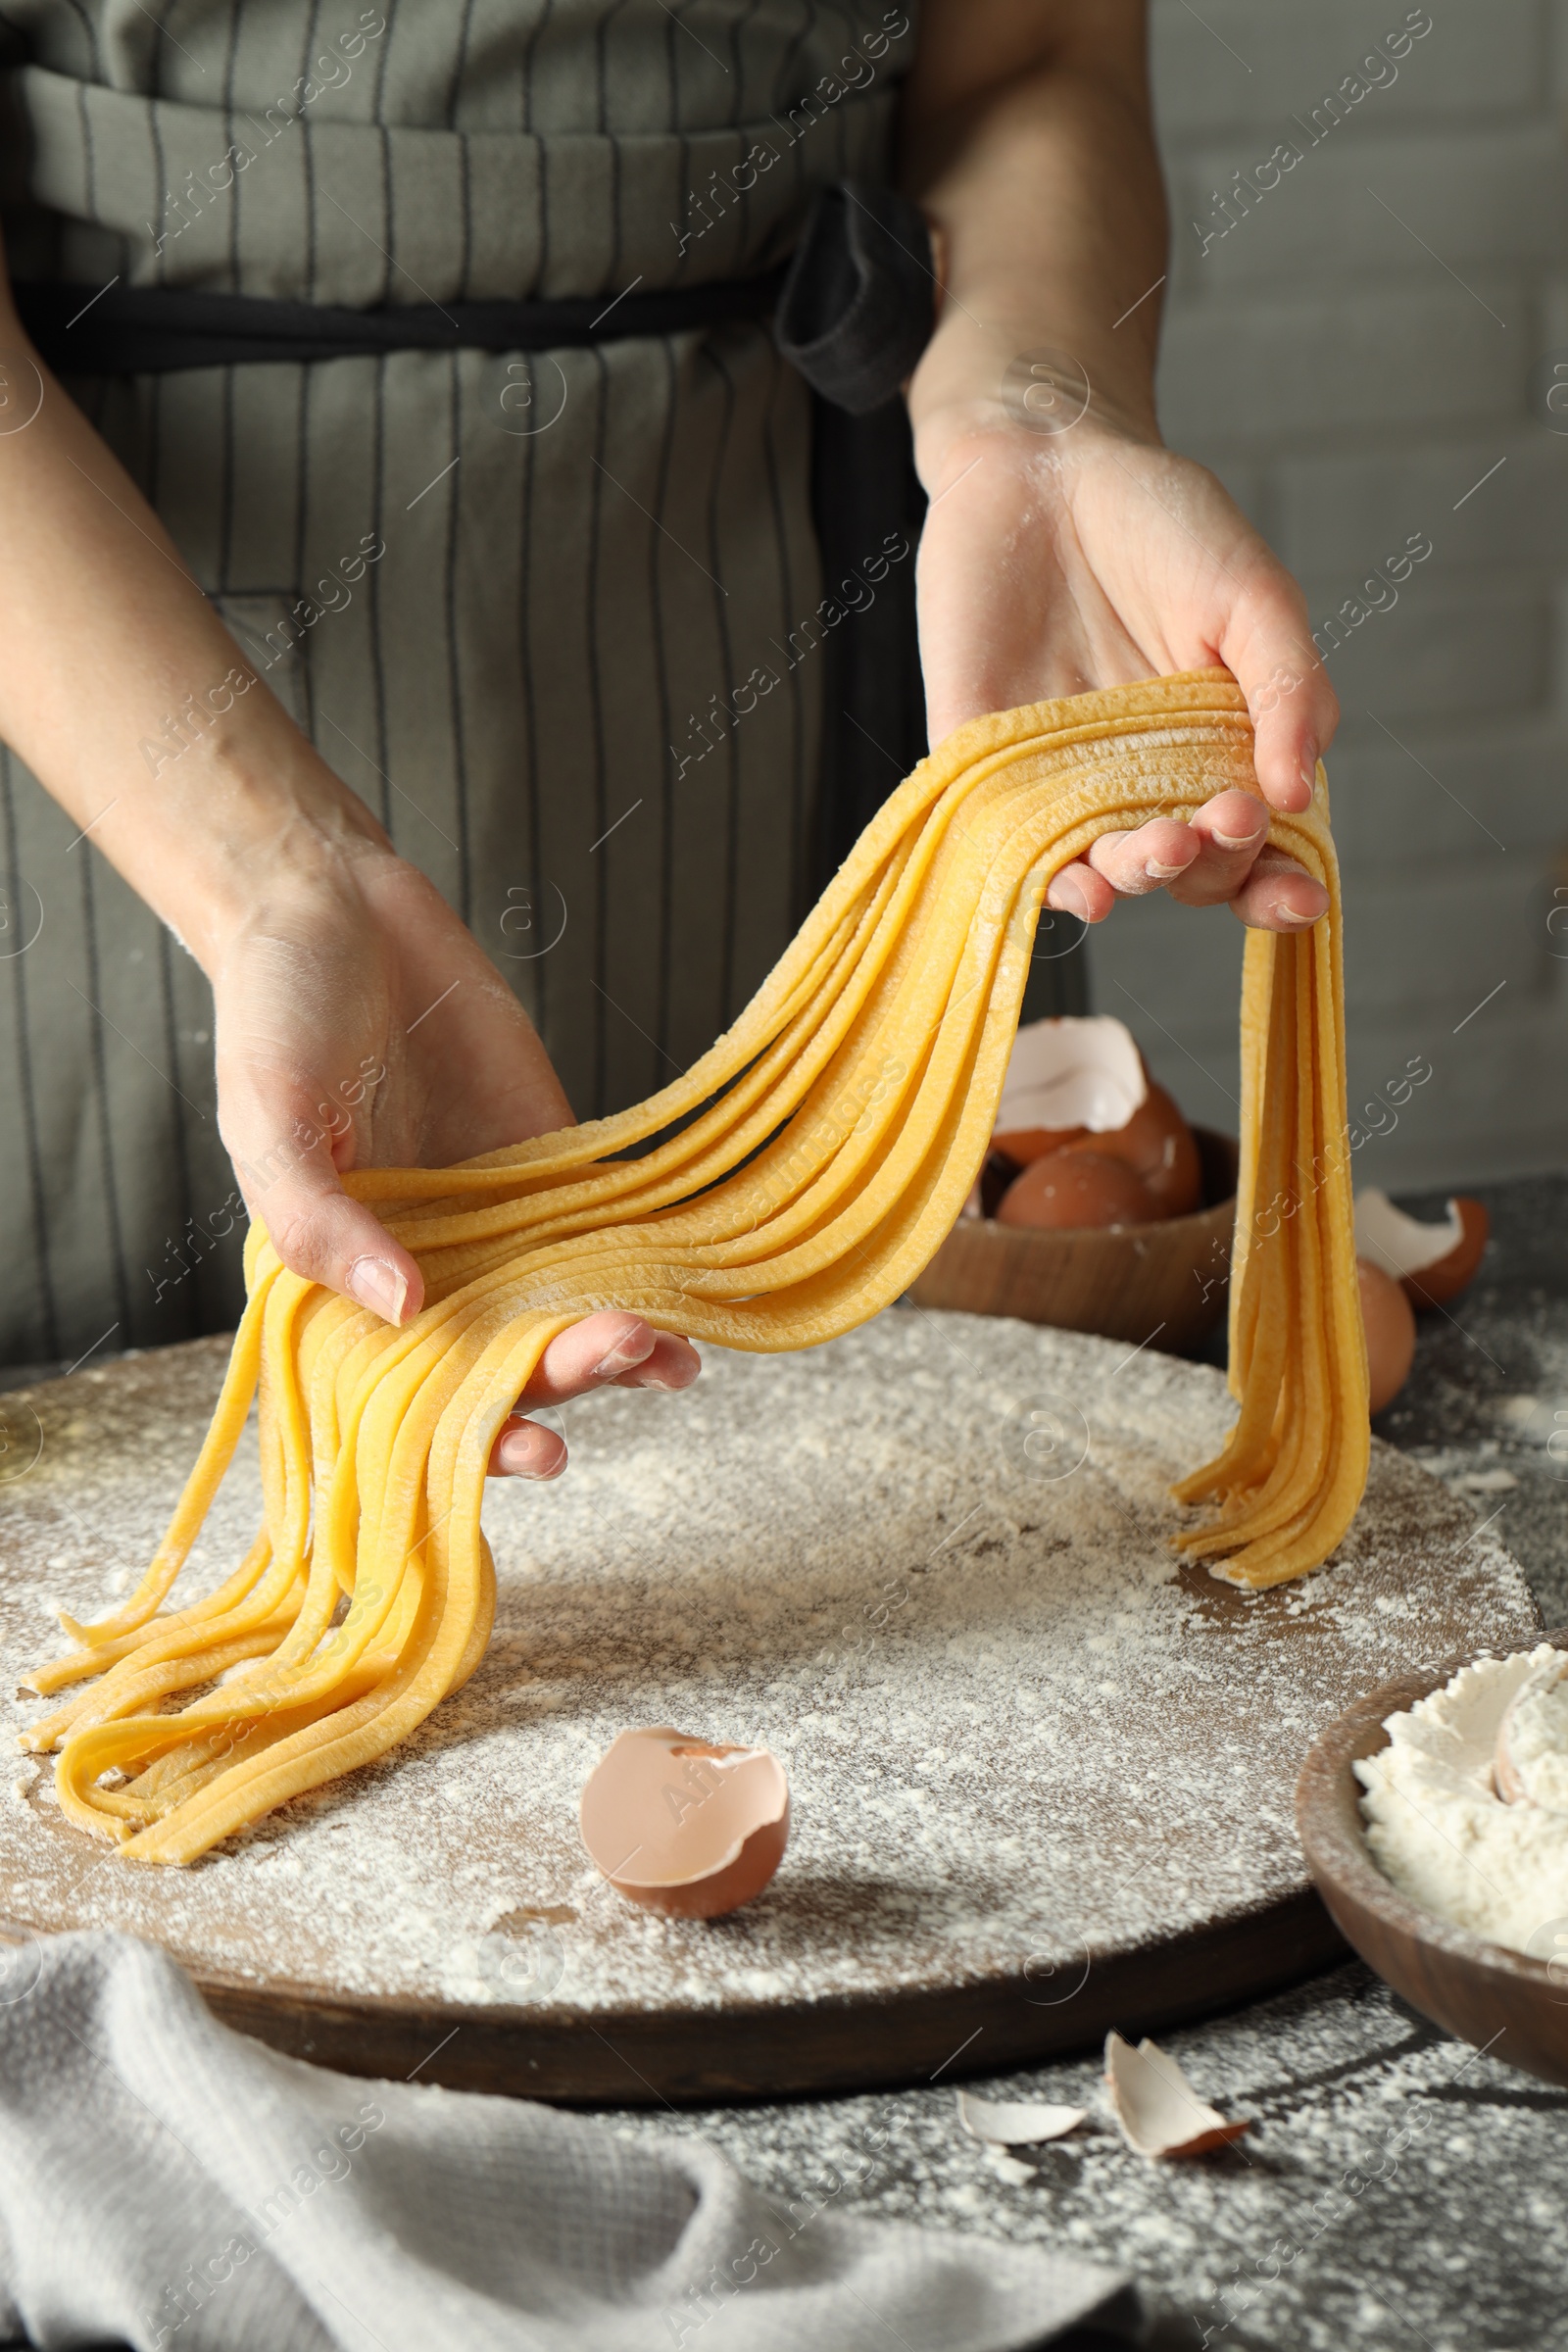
column 833, row 1135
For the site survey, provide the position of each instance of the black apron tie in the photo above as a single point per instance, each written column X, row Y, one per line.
column 852, row 312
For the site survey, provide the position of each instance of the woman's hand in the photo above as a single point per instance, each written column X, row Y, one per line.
column 612, row 1347
column 360, row 1023
column 1056, row 563
column 1064, row 547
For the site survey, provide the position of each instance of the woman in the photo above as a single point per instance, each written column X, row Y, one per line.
column 408, row 687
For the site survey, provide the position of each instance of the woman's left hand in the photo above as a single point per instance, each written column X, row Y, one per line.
column 1055, row 563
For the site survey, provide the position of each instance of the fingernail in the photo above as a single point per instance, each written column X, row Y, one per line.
column 1162, row 873
column 1309, row 768
column 1233, row 841
column 380, row 1286
column 519, row 1454
column 622, row 1356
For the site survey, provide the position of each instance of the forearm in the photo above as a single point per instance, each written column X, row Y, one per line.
column 1027, row 142
column 127, row 698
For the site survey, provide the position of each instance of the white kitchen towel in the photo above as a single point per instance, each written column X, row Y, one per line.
column 167, row 2182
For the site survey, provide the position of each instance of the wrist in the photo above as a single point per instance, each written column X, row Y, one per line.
column 258, row 823
column 1023, row 379
column 951, row 439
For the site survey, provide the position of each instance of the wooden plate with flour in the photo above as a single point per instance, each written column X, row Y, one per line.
column 1041, row 1773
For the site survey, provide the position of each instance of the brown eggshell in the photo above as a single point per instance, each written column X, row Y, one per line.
column 1158, row 1146
column 1389, row 1322
column 1160, row 2111
column 1155, row 1143
column 684, row 1827
column 1505, row 1774
column 1025, row 1144
column 1076, row 1189
column 1437, row 1284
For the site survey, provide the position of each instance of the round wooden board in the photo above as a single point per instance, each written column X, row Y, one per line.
column 1041, row 1773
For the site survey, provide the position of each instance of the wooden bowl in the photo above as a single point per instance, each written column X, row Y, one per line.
column 1165, row 1282
column 1514, row 2007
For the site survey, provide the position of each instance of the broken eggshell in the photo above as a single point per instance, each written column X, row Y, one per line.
column 1081, row 1086
column 1433, row 1262
column 1068, row 1076
column 1160, row 2111
column 1073, row 1190
column 1530, row 1761
column 1016, row 2122
column 1155, row 1148
column 1160, row 1148
column 683, row 1826
column 1389, row 1320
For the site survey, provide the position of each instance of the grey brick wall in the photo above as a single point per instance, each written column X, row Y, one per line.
column 1360, row 350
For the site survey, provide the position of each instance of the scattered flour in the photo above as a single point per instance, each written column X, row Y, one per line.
column 927, row 1564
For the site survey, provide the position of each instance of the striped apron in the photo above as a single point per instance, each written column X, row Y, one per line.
column 523, row 605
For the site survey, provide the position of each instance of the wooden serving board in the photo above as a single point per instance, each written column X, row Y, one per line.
column 1041, row 1773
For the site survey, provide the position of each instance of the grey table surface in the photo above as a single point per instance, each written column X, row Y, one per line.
column 1397, row 2189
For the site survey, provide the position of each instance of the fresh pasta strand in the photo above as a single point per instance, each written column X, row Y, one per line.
column 825, row 1145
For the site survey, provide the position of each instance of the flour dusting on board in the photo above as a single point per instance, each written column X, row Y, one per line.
column 926, row 1564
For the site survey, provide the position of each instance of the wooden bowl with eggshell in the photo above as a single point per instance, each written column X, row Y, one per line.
column 1164, row 1281
column 1504, row 2001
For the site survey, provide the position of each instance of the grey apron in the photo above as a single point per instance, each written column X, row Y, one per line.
column 524, row 605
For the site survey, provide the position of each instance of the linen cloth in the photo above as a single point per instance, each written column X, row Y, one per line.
column 167, row 2181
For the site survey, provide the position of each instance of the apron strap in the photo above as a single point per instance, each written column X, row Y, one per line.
column 146, row 330
column 852, row 312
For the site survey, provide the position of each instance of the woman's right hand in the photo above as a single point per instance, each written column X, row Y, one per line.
column 360, row 1023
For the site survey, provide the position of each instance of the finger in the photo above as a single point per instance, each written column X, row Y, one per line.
column 1278, row 896
column 612, row 1345
column 1228, row 831
column 1147, row 858
column 673, row 1364
column 1267, row 643
column 1122, row 866
column 292, row 1185
column 527, row 1449
column 1077, row 889
column 585, row 1357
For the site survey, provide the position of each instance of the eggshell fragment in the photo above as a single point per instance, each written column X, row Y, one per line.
column 1160, row 1148
column 1160, row 2111
column 1389, row 1322
column 1065, row 1076
column 1530, row 1761
column 1155, row 1143
column 682, row 1826
column 1015, row 2123
column 1022, row 1144
column 1434, row 1263
column 1068, row 1189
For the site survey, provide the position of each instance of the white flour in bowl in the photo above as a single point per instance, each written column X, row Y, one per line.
column 1436, row 1823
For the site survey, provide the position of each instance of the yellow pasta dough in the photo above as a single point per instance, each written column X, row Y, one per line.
column 829, row 1141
